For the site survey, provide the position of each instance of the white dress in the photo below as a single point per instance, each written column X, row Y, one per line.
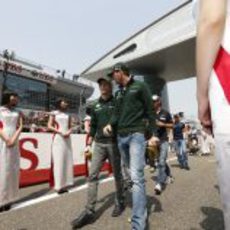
column 219, row 97
column 9, row 158
column 61, row 155
column 205, row 143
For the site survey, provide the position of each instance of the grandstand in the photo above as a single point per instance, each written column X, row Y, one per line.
column 39, row 86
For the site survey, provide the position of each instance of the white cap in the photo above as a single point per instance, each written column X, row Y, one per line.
column 87, row 118
column 155, row 97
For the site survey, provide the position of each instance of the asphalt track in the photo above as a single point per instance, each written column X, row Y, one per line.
column 192, row 202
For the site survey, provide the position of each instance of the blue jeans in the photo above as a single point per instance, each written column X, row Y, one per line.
column 163, row 168
column 132, row 150
column 181, row 152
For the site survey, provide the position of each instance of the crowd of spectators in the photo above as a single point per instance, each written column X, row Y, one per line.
column 37, row 122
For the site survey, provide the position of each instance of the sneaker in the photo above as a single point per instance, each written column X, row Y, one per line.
column 84, row 218
column 118, row 209
column 158, row 189
column 170, row 180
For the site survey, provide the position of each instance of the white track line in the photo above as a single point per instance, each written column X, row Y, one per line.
column 55, row 195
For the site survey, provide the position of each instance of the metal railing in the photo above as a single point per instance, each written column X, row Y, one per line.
column 57, row 73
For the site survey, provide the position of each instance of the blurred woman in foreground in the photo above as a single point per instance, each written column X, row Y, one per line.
column 213, row 84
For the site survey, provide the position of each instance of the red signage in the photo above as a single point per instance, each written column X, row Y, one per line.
column 20, row 70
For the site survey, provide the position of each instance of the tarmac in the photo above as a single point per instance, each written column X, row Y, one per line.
column 191, row 202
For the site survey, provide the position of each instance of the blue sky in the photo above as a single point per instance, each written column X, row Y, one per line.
column 177, row 99
column 72, row 34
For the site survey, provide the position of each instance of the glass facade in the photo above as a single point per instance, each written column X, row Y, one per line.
column 32, row 93
column 36, row 95
column 73, row 100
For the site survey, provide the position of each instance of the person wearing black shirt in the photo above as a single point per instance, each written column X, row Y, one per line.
column 163, row 122
column 178, row 137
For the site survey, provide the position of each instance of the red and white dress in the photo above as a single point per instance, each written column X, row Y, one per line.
column 61, row 153
column 9, row 158
column 219, row 96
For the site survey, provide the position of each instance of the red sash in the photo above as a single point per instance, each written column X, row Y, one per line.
column 222, row 69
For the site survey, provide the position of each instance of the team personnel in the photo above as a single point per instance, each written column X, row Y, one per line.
column 133, row 107
column 105, row 147
column 180, row 145
column 11, row 124
column 61, row 151
column 163, row 122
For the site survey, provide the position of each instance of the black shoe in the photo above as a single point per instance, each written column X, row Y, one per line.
column 84, row 218
column 118, row 209
column 6, row 207
column 61, row 191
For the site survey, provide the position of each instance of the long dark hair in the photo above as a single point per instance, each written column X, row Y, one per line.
column 6, row 96
column 88, row 110
column 59, row 101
